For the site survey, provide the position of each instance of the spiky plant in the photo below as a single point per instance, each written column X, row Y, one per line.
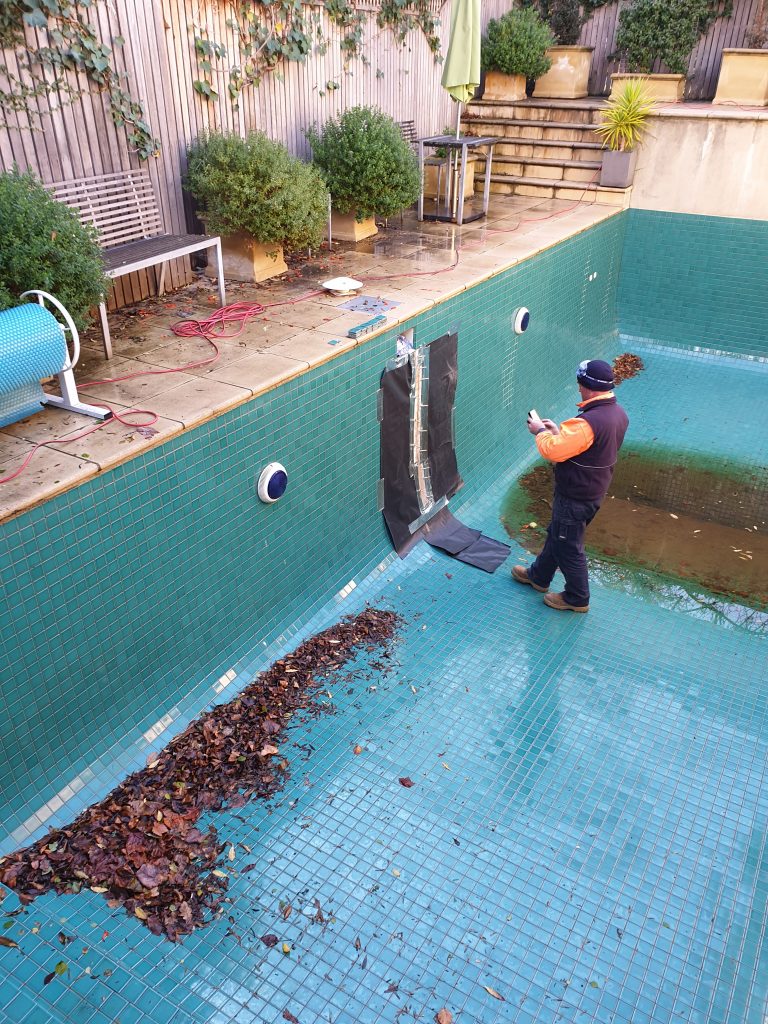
column 625, row 118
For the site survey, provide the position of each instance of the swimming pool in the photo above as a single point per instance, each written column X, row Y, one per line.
column 586, row 832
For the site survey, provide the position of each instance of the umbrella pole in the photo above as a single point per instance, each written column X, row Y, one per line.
column 456, row 158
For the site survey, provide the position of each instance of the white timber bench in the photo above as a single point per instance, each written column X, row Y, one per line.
column 123, row 208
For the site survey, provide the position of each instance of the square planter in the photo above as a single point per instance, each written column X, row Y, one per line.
column 568, row 78
column 662, row 88
column 504, row 87
column 431, row 180
column 743, row 78
column 346, row 227
column 618, row 169
column 248, row 260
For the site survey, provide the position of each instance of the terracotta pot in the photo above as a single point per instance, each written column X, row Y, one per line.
column 504, row 87
column 743, row 78
column 248, row 260
column 618, row 169
column 662, row 88
column 568, row 78
column 346, row 227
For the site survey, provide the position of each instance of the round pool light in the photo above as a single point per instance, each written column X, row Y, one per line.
column 273, row 482
column 521, row 320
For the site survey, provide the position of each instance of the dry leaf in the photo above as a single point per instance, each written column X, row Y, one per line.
column 444, row 1016
column 494, row 993
column 286, row 948
column 445, row 766
column 358, row 749
column 406, row 782
column 8, row 943
column 395, row 872
column 287, row 911
column 268, row 749
column 672, row 515
column 231, row 853
column 141, row 914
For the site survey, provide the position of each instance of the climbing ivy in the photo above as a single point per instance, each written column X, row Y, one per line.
column 270, row 32
column 71, row 44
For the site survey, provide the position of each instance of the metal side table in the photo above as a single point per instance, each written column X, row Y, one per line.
column 458, row 148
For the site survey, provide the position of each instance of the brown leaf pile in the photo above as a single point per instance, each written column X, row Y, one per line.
column 626, row 366
column 140, row 846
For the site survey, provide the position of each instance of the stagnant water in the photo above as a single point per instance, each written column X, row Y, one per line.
column 688, row 519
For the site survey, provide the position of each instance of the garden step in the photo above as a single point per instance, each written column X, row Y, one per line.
column 558, row 188
column 522, row 128
column 547, row 149
column 533, row 110
column 572, row 170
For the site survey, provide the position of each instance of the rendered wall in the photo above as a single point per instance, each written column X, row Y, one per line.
column 711, row 162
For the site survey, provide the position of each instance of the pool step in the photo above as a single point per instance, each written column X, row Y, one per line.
column 544, row 167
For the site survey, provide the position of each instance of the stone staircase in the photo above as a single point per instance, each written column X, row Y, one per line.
column 546, row 147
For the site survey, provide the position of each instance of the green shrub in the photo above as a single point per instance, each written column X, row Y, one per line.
column 664, row 31
column 565, row 19
column 43, row 245
column 516, row 44
column 368, row 166
column 254, row 185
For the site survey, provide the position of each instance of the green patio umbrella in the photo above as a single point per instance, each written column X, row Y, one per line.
column 461, row 72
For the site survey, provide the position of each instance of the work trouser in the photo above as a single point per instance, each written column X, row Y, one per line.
column 564, row 549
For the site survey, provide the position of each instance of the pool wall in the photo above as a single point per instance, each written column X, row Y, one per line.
column 149, row 581
column 695, row 283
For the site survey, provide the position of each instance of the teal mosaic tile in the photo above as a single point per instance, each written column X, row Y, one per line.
column 587, row 832
column 695, row 282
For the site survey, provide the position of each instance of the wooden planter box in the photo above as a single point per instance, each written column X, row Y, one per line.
column 346, row 228
column 431, row 180
column 662, row 88
column 743, row 78
column 568, row 78
column 248, row 260
column 503, row 87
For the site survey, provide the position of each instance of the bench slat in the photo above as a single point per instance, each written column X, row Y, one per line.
column 158, row 249
column 121, row 206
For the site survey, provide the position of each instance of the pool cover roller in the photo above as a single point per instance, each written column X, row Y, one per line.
column 33, row 347
column 419, row 473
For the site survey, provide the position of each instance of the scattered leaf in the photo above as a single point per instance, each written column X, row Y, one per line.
column 395, row 872
column 357, row 749
column 444, row 1016
column 494, row 993
column 673, row 516
column 231, row 854
column 406, row 782
column 287, row 1015
column 269, row 940
column 287, row 911
column 445, row 766
column 8, row 943
column 286, row 948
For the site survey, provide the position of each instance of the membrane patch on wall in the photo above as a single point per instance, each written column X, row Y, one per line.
column 419, row 471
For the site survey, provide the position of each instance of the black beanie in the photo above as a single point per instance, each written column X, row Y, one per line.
column 595, row 374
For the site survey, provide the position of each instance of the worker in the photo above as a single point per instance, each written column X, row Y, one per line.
column 584, row 451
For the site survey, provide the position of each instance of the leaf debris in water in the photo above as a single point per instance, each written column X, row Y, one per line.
column 141, row 846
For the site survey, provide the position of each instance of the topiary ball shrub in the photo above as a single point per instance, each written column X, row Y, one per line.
column 368, row 166
column 254, row 185
column 44, row 245
column 517, row 43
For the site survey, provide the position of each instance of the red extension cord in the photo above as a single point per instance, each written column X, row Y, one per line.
column 215, row 327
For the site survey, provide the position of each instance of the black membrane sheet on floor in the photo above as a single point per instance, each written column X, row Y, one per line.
column 401, row 502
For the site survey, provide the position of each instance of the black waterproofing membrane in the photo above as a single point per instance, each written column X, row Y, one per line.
column 401, row 504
